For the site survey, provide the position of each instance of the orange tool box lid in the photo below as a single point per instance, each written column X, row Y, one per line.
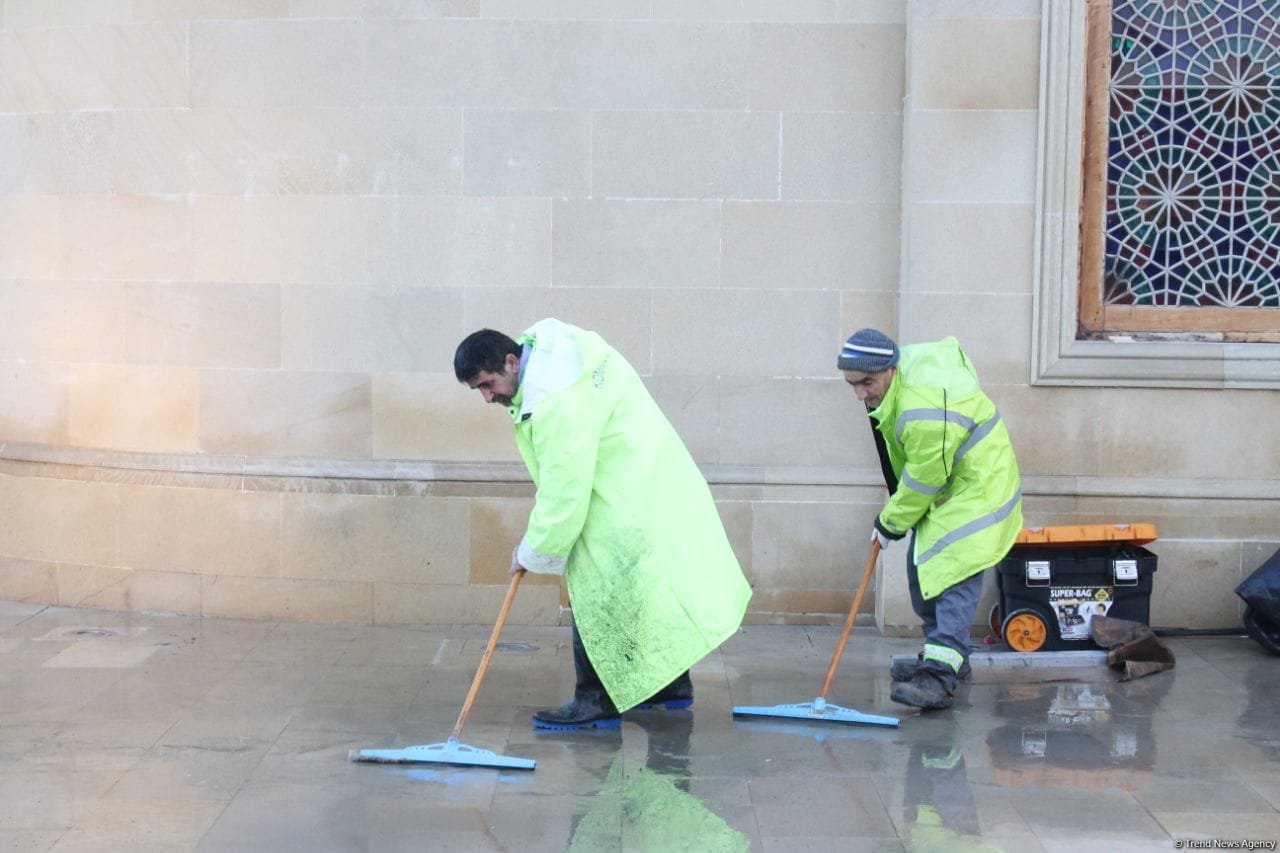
column 1087, row 534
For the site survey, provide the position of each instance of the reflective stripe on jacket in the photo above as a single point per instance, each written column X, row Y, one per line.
column 958, row 484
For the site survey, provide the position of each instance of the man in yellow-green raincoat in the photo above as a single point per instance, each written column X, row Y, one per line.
column 953, row 485
column 621, row 511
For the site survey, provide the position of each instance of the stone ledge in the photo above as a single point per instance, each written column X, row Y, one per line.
column 407, row 476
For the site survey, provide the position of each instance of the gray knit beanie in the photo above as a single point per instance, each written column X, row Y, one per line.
column 868, row 351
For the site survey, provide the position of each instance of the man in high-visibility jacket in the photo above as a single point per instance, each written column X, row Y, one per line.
column 953, row 484
column 621, row 510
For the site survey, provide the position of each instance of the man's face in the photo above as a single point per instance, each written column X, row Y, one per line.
column 501, row 387
column 870, row 387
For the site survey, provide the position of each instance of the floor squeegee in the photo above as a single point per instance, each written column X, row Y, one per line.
column 819, row 709
column 452, row 751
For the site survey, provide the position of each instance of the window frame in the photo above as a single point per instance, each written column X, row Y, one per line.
column 1069, row 200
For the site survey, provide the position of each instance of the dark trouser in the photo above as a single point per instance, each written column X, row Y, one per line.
column 947, row 620
column 588, row 685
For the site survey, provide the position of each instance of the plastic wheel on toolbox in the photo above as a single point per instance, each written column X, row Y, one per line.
column 994, row 620
column 1025, row 631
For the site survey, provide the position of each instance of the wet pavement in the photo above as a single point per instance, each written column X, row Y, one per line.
column 129, row 732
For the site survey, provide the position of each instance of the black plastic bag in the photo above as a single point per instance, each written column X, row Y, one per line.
column 1261, row 594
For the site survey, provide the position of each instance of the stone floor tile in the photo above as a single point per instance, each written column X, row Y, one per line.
column 149, row 826
column 219, row 735
column 1229, row 826
column 213, row 773
column 818, row 806
column 29, row 840
column 1221, row 796
column 827, row 844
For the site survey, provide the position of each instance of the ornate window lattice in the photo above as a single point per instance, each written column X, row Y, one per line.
column 1193, row 169
column 1180, row 214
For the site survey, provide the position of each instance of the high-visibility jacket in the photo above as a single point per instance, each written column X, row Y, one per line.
column 623, row 511
column 958, row 486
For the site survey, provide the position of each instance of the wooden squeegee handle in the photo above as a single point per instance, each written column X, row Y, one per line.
column 853, row 612
column 488, row 653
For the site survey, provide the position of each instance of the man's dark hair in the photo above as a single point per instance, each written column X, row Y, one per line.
column 483, row 351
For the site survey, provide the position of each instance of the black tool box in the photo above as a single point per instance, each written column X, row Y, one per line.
column 1056, row 579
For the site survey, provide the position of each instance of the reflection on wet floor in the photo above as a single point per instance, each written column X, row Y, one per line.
column 1074, row 735
column 1258, row 723
column 125, row 731
column 645, row 804
column 939, row 811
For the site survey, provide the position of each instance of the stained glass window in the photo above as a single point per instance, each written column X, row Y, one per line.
column 1193, row 170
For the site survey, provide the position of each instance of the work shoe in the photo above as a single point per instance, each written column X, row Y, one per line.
column 902, row 670
column 678, row 694
column 925, row 691
column 590, row 709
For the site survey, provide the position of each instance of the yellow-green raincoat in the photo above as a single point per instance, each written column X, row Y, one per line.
column 958, row 484
column 623, row 511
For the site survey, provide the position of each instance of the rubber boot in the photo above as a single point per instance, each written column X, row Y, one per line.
column 678, row 694
column 925, row 691
column 903, row 670
column 591, row 706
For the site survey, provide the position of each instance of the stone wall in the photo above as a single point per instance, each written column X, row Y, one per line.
column 240, row 241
